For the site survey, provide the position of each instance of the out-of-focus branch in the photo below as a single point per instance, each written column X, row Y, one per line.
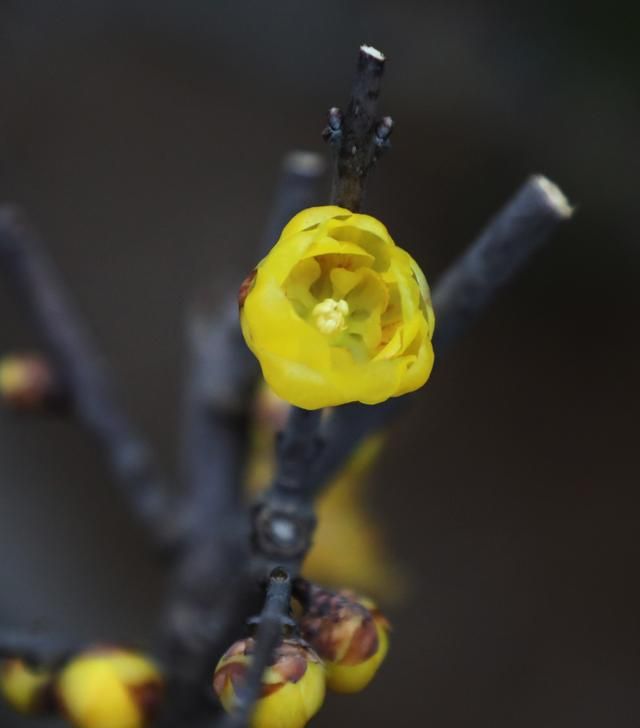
column 268, row 636
column 211, row 592
column 35, row 649
column 222, row 372
column 505, row 245
column 84, row 375
column 359, row 136
column 525, row 223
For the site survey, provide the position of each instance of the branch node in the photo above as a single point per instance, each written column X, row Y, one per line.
column 332, row 133
column 382, row 138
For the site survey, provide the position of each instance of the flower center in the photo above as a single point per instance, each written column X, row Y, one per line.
column 329, row 315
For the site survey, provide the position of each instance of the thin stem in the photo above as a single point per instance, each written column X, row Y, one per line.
column 284, row 519
column 84, row 375
column 38, row 650
column 222, row 374
column 268, row 637
column 354, row 135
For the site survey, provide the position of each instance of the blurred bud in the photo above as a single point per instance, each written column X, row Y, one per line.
column 293, row 685
column 348, row 632
column 27, row 382
column 109, row 688
column 26, row 689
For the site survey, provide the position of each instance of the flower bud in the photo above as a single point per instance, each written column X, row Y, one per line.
column 348, row 632
column 26, row 689
column 109, row 688
column 293, row 685
column 28, row 383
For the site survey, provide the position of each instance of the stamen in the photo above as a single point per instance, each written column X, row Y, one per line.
column 330, row 315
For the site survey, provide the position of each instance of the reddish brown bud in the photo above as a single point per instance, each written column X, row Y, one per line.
column 351, row 638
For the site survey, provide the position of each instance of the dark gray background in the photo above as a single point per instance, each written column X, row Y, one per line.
column 144, row 140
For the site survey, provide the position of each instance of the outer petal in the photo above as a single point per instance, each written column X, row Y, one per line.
column 311, row 217
column 294, row 704
column 353, row 678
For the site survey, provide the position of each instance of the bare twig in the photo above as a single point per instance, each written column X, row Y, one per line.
column 38, row 650
column 223, row 373
column 358, row 136
column 84, row 375
column 268, row 636
column 527, row 221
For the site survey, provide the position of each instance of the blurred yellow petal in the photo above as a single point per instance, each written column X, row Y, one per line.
column 24, row 687
column 109, row 688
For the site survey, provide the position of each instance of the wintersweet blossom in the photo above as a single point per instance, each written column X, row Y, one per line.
column 337, row 312
column 109, row 688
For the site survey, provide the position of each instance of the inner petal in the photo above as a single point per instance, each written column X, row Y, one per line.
column 367, row 297
column 297, row 287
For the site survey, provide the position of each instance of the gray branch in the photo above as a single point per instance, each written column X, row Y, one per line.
column 359, row 136
column 84, row 375
column 526, row 222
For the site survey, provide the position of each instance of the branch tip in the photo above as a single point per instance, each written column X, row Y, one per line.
column 368, row 50
column 554, row 195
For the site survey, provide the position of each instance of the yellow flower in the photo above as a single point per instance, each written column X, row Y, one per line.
column 25, row 688
column 292, row 687
column 109, row 688
column 349, row 633
column 337, row 312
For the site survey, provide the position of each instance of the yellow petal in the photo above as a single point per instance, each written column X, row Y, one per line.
column 353, row 678
column 311, row 217
column 371, row 348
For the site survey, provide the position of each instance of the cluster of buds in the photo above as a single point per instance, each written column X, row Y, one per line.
column 342, row 641
column 102, row 687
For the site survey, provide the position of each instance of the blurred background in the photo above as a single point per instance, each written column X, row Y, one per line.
column 144, row 139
